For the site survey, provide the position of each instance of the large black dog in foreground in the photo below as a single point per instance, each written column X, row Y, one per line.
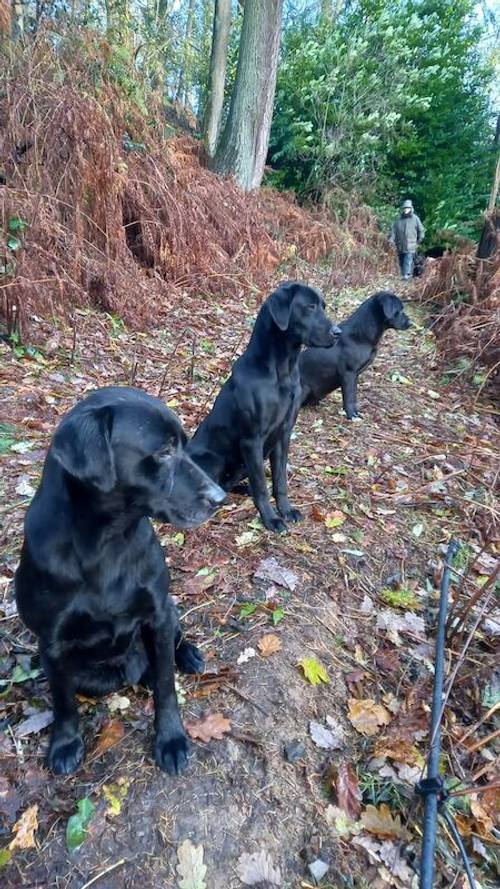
column 323, row 370
column 253, row 415
column 92, row 582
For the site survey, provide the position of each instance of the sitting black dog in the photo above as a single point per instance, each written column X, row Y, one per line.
column 92, row 583
column 323, row 370
column 253, row 415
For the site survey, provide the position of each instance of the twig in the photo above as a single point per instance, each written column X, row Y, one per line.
column 103, row 873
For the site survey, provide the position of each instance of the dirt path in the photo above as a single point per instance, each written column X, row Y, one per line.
column 382, row 498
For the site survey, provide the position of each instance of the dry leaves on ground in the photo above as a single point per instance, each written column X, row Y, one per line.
column 367, row 716
column 25, row 829
column 269, row 644
column 348, row 792
column 326, row 738
column 270, row 570
column 382, row 823
column 257, row 867
column 112, row 732
column 209, row 727
column 190, row 868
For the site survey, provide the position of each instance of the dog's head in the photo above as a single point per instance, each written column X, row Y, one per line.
column 129, row 448
column 300, row 311
column 392, row 310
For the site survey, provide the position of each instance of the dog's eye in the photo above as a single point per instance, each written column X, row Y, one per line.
column 166, row 452
column 312, row 308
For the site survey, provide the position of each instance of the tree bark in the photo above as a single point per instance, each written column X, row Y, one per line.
column 217, row 74
column 243, row 145
column 185, row 73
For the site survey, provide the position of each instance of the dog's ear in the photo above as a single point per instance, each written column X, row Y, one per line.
column 280, row 304
column 390, row 304
column 82, row 445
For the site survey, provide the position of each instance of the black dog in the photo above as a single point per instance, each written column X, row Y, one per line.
column 253, row 415
column 92, row 582
column 323, row 370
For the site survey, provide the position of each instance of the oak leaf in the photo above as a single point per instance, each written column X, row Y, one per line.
column 314, row 672
column 190, row 868
column 367, row 716
column 24, row 829
column 382, row 823
column 257, row 869
column 112, row 732
column 209, row 727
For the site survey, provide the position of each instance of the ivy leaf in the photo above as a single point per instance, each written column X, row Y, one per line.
column 16, row 224
column 314, row 672
column 14, row 243
column 247, row 610
column 76, row 828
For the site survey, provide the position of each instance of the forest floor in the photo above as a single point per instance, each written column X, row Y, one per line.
column 353, row 589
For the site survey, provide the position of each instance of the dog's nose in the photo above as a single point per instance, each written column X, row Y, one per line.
column 334, row 330
column 215, row 494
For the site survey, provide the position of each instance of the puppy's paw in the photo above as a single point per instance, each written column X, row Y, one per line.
column 292, row 515
column 171, row 755
column 274, row 523
column 65, row 756
column 188, row 658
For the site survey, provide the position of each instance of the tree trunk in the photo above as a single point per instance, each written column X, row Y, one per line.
column 185, row 74
column 118, row 22
column 217, row 74
column 488, row 243
column 243, row 146
column 17, row 19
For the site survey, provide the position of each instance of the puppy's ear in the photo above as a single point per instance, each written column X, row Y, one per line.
column 390, row 304
column 280, row 304
column 81, row 444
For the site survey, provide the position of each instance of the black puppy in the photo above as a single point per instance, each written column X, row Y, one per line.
column 323, row 370
column 253, row 415
column 92, row 582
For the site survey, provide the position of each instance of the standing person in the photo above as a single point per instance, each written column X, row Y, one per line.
column 406, row 234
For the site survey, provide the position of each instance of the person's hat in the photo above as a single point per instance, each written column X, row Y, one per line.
column 407, row 205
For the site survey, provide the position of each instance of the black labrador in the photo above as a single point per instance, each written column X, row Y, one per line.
column 323, row 370
column 92, row 583
column 253, row 415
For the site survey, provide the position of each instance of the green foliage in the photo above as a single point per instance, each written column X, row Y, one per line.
column 389, row 101
column 76, row 828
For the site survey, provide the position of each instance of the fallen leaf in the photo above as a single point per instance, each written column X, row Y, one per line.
column 270, row 570
column 366, row 716
column 34, row 724
column 323, row 737
column 25, row 829
column 317, row 514
column 257, row 867
column 334, row 519
column 394, row 861
column 190, row 868
column 198, row 584
column 314, row 672
column 118, row 702
column 398, row 749
column 483, row 821
column 341, row 824
column 382, row 823
column 112, row 732
column 395, row 623
column 76, row 828
column 348, row 792
column 245, row 655
column 210, row 726
column 269, row 644
column 114, row 794
column 371, row 847
column 24, row 488
column 367, row 605
column 246, row 538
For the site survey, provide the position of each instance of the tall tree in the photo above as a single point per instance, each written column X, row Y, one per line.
column 217, row 74
column 243, row 145
column 17, row 19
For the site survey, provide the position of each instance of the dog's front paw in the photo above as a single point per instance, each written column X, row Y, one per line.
column 188, row 658
column 353, row 415
column 65, row 756
column 274, row 523
column 292, row 515
column 171, row 755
